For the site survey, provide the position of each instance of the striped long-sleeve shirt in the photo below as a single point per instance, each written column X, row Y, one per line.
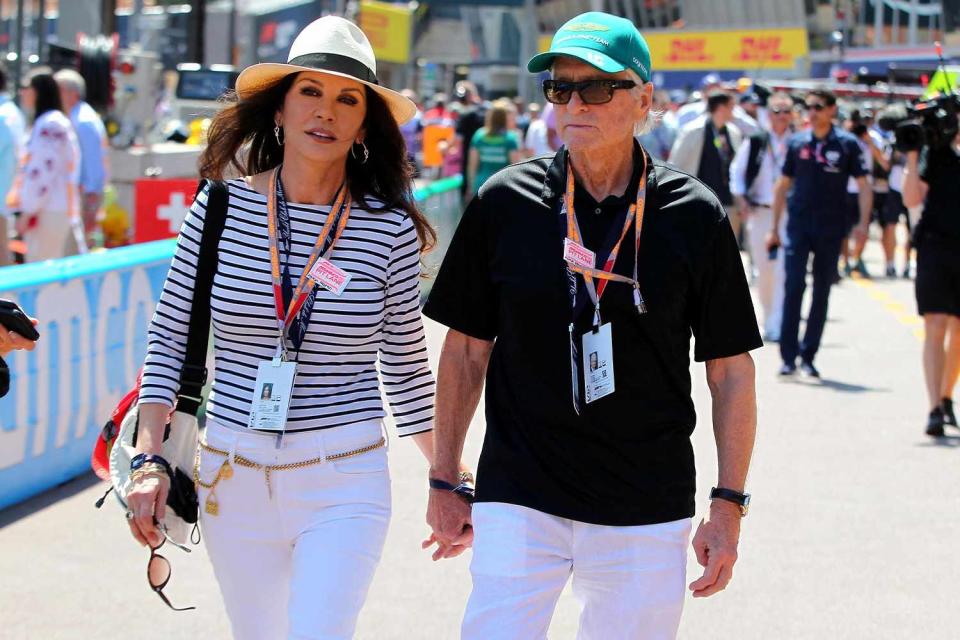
column 376, row 319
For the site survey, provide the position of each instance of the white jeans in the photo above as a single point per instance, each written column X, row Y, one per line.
column 630, row 580
column 771, row 275
column 297, row 563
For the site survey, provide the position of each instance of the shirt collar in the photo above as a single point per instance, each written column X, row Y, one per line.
column 554, row 182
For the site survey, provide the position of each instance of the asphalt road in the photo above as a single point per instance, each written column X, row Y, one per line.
column 850, row 536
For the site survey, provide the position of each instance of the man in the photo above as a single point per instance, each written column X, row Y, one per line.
column 710, row 84
column 583, row 471
column 755, row 170
column 471, row 119
column 12, row 139
column 92, row 138
column 874, row 158
column 705, row 148
column 815, row 172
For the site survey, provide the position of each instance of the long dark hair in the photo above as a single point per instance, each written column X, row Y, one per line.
column 48, row 94
column 241, row 137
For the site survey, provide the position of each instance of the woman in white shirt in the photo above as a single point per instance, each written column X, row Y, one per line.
column 294, row 512
column 47, row 193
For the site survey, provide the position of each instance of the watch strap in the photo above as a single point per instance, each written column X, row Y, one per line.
column 740, row 499
column 464, row 490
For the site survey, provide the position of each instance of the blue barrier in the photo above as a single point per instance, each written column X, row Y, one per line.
column 94, row 311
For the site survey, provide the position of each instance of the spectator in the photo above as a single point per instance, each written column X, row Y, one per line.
column 813, row 183
column 537, row 141
column 494, row 146
column 705, row 149
column 92, row 138
column 710, row 84
column 11, row 147
column 412, row 131
column 470, row 121
column 48, row 190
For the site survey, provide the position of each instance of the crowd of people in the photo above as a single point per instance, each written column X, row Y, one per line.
column 53, row 167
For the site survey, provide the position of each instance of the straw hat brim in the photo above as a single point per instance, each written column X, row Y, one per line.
column 259, row 76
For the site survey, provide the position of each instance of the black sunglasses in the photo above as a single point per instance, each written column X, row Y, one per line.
column 159, row 572
column 816, row 106
column 591, row 91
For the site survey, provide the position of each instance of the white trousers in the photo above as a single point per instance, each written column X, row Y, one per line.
column 629, row 580
column 296, row 562
column 771, row 274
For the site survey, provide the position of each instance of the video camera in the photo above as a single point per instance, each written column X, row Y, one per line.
column 931, row 122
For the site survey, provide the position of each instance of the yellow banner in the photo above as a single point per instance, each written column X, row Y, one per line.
column 388, row 26
column 721, row 50
column 726, row 50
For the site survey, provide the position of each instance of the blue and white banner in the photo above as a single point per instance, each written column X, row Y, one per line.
column 94, row 311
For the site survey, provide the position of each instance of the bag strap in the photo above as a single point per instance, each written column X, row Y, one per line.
column 193, row 375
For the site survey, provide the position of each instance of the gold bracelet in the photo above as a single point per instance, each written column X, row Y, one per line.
column 148, row 471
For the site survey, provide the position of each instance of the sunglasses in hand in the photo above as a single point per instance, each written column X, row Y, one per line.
column 590, row 91
column 159, row 572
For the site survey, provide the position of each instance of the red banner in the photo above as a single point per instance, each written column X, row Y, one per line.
column 161, row 206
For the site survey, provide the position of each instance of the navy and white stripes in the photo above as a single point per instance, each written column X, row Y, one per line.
column 376, row 320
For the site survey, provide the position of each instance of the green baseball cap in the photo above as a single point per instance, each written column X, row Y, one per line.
column 609, row 43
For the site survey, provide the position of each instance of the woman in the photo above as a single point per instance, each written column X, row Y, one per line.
column 494, row 146
column 294, row 547
column 47, row 185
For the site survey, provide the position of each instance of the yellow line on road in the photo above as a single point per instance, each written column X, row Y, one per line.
column 891, row 306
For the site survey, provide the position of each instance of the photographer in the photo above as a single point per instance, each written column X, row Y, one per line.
column 932, row 177
column 10, row 340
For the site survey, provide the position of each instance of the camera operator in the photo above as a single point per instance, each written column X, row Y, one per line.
column 932, row 177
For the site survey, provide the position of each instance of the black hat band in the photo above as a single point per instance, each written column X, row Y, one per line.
column 338, row 64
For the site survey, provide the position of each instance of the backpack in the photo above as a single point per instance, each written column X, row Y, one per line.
column 116, row 444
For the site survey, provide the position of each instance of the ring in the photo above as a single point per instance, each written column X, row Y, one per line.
column 129, row 514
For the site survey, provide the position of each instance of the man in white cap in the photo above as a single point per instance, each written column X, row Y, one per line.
column 572, row 285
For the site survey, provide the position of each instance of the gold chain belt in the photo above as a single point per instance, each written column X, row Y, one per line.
column 225, row 472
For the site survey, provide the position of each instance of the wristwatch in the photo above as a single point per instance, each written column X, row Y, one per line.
column 740, row 499
column 464, row 489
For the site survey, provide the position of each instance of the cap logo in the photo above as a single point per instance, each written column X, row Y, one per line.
column 586, row 26
column 596, row 39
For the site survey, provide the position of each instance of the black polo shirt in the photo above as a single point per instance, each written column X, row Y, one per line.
column 627, row 458
column 940, row 169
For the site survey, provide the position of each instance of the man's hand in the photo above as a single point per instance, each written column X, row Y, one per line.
column 448, row 515
column 715, row 544
column 10, row 340
column 773, row 239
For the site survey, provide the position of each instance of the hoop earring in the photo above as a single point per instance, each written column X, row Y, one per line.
column 366, row 152
column 276, row 134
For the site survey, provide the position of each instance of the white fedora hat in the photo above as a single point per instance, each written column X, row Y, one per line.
column 334, row 46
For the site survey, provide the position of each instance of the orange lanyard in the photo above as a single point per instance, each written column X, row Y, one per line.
column 340, row 211
column 605, row 275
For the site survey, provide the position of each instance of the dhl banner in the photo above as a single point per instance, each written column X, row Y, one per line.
column 388, row 26
column 722, row 50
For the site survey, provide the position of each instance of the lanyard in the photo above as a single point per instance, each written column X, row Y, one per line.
column 303, row 297
column 605, row 275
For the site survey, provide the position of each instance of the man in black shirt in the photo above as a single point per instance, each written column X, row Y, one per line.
column 470, row 121
column 934, row 181
column 587, row 465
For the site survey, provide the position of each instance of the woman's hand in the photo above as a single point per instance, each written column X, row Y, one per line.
column 146, row 506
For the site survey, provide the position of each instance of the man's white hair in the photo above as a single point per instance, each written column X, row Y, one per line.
column 70, row 79
column 654, row 116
